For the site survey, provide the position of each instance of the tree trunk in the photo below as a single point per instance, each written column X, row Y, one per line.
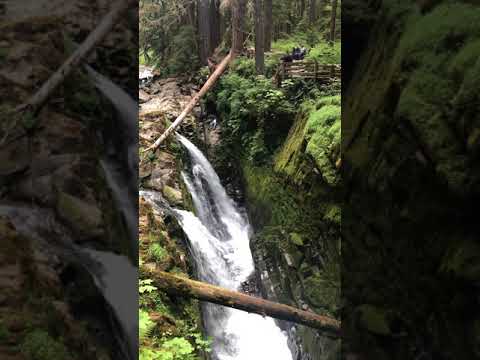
column 333, row 21
column 93, row 39
column 259, row 38
column 210, row 82
column 268, row 24
column 204, row 30
column 302, row 9
column 215, row 17
column 313, row 12
column 206, row 292
column 238, row 32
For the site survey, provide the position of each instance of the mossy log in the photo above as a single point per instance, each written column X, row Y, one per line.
column 180, row 286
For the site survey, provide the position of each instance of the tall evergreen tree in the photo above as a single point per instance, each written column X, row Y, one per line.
column 268, row 24
column 259, row 38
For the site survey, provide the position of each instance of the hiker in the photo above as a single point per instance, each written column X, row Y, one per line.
column 303, row 52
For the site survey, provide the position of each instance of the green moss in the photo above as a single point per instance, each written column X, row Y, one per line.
column 437, row 60
column 319, row 126
column 323, row 292
column 39, row 345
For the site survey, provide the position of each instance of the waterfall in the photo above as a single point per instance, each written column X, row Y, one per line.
column 124, row 192
column 127, row 109
column 114, row 275
column 219, row 240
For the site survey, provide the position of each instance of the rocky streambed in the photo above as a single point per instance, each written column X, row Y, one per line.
column 53, row 192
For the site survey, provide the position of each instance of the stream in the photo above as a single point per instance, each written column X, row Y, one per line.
column 219, row 239
column 115, row 276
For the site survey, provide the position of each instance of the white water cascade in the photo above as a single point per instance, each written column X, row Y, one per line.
column 219, row 239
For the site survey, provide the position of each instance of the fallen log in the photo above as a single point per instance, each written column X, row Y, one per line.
column 180, row 286
column 208, row 84
column 93, row 39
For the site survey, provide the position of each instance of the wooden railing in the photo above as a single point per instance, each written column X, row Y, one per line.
column 308, row 69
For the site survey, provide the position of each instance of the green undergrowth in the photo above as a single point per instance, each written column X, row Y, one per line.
column 254, row 113
column 169, row 327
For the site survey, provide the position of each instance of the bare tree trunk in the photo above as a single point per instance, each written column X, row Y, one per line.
column 206, row 292
column 333, row 21
column 238, row 31
column 313, row 11
column 302, row 8
column 259, row 38
column 93, row 39
column 210, row 82
column 268, row 24
column 204, row 30
column 215, row 17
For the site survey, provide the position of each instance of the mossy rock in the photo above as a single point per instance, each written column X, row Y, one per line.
column 84, row 217
column 173, row 196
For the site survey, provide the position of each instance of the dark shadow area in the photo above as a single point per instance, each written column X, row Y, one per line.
column 410, row 247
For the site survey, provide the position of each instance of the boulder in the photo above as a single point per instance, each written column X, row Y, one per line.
column 85, row 218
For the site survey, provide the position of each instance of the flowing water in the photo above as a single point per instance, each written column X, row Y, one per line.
column 124, row 192
column 114, row 275
column 219, row 240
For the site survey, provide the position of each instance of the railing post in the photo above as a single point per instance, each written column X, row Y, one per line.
column 316, row 69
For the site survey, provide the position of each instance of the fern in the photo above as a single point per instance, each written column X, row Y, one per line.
column 146, row 325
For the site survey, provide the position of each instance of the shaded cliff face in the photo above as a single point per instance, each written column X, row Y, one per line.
column 410, row 146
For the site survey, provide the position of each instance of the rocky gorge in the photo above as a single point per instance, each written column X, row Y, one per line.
column 294, row 209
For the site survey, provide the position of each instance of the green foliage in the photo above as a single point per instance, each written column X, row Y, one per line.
column 145, row 325
column 183, row 58
column 145, row 286
column 326, row 54
column 245, row 105
column 286, row 44
column 39, row 345
column 156, row 252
